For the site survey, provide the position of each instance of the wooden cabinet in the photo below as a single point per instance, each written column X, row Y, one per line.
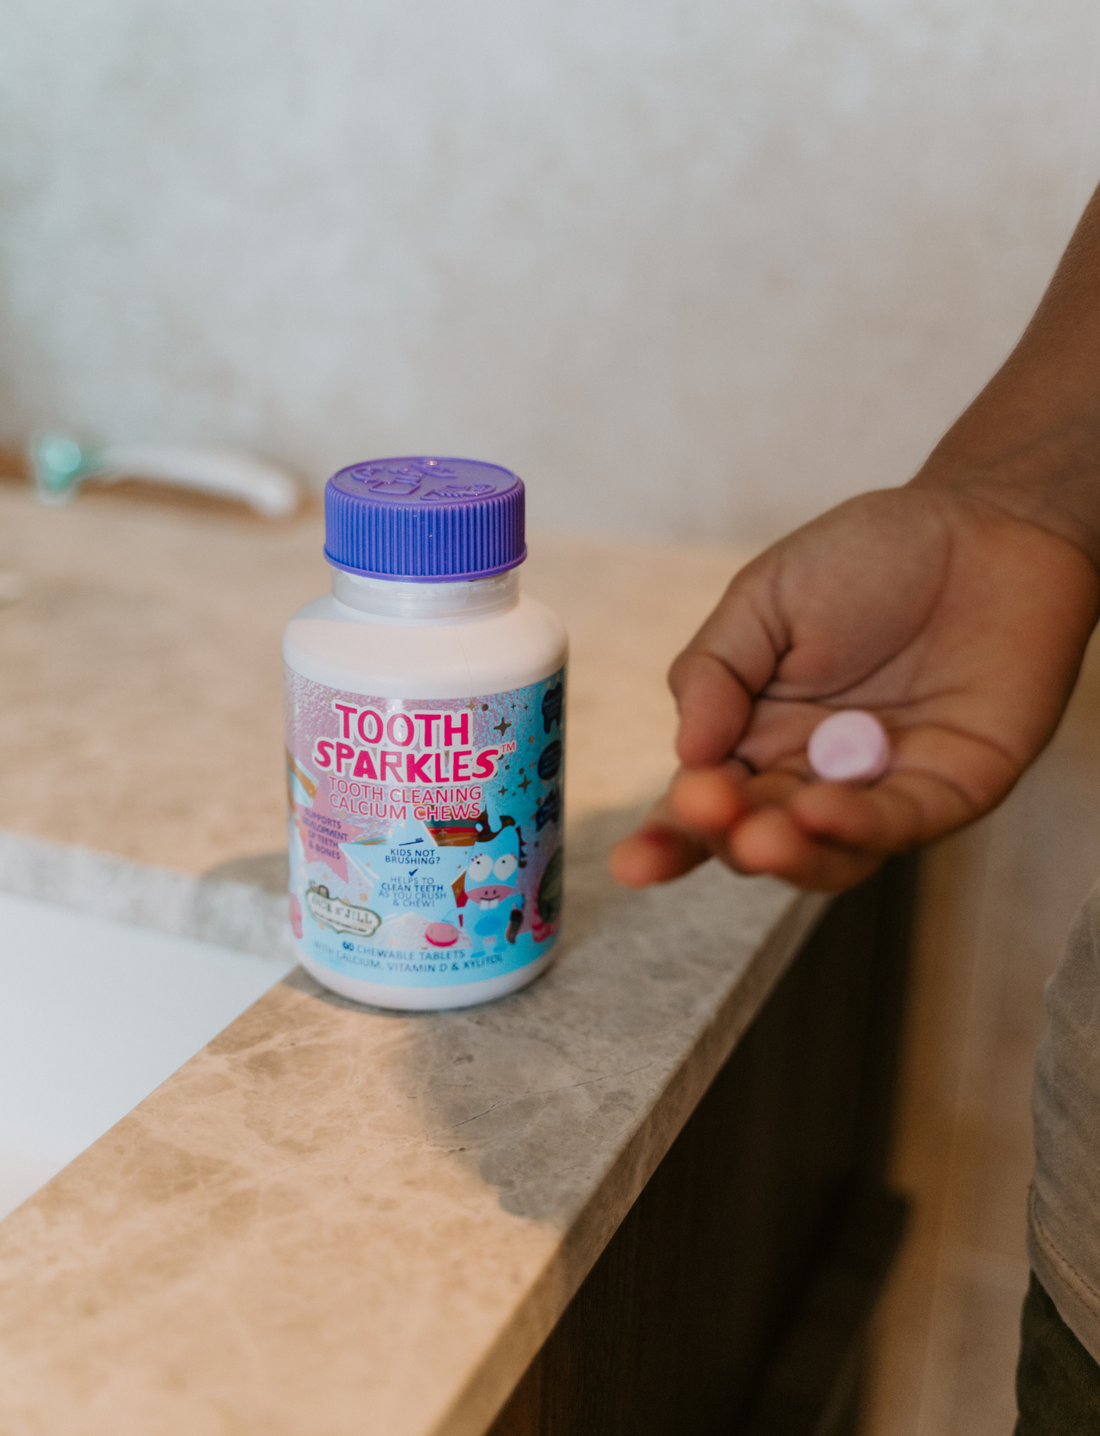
column 735, row 1295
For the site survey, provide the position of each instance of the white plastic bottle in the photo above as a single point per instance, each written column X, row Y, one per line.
column 425, row 726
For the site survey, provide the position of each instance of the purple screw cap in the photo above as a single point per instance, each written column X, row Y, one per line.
column 424, row 520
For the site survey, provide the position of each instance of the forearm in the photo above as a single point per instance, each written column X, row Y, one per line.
column 956, row 610
column 1030, row 441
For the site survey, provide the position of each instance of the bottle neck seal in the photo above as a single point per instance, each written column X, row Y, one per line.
column 416, row 603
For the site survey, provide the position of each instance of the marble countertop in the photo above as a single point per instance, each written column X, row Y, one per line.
column 334, row 1219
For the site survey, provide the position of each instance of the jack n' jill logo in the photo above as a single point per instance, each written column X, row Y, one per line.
column 339, row 915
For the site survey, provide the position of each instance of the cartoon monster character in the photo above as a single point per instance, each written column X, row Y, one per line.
column 488, row 882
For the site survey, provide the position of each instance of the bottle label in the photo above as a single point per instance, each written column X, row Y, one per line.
column 425, row 835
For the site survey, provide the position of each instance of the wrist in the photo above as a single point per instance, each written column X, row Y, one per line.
column 1050, row 478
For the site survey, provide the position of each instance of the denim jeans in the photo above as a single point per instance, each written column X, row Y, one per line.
column 1057, row 1381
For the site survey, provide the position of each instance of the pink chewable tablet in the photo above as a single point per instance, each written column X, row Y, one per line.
column 441, row 934
column 849, row 745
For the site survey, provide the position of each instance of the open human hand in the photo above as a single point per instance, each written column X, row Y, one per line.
column 960, row 626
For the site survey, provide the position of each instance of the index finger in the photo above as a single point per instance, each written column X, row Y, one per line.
column 714, row 707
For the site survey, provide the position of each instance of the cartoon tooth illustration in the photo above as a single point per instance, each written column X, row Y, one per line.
column 488, row 882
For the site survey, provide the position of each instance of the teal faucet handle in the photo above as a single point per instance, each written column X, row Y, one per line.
column 62, row 463
column 59, row 463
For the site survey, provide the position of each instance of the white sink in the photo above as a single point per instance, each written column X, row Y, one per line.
column 93, row 1015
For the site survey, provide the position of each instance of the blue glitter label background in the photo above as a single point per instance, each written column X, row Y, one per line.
column 425, row 835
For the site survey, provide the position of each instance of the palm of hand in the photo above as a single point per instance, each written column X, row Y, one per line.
column 961, row 627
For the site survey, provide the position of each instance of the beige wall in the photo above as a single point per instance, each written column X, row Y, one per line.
column 694, row 267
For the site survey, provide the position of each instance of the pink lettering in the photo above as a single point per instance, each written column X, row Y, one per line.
column 364, row 766
column 344, row 751
column 322, row 754
column 486, row 763
column 427, row 719
column 347, row 709
column 462, row 757
column 365, row 736
column 453, row 730
column 416, row 768
column 410, row 729
column 391, row 764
